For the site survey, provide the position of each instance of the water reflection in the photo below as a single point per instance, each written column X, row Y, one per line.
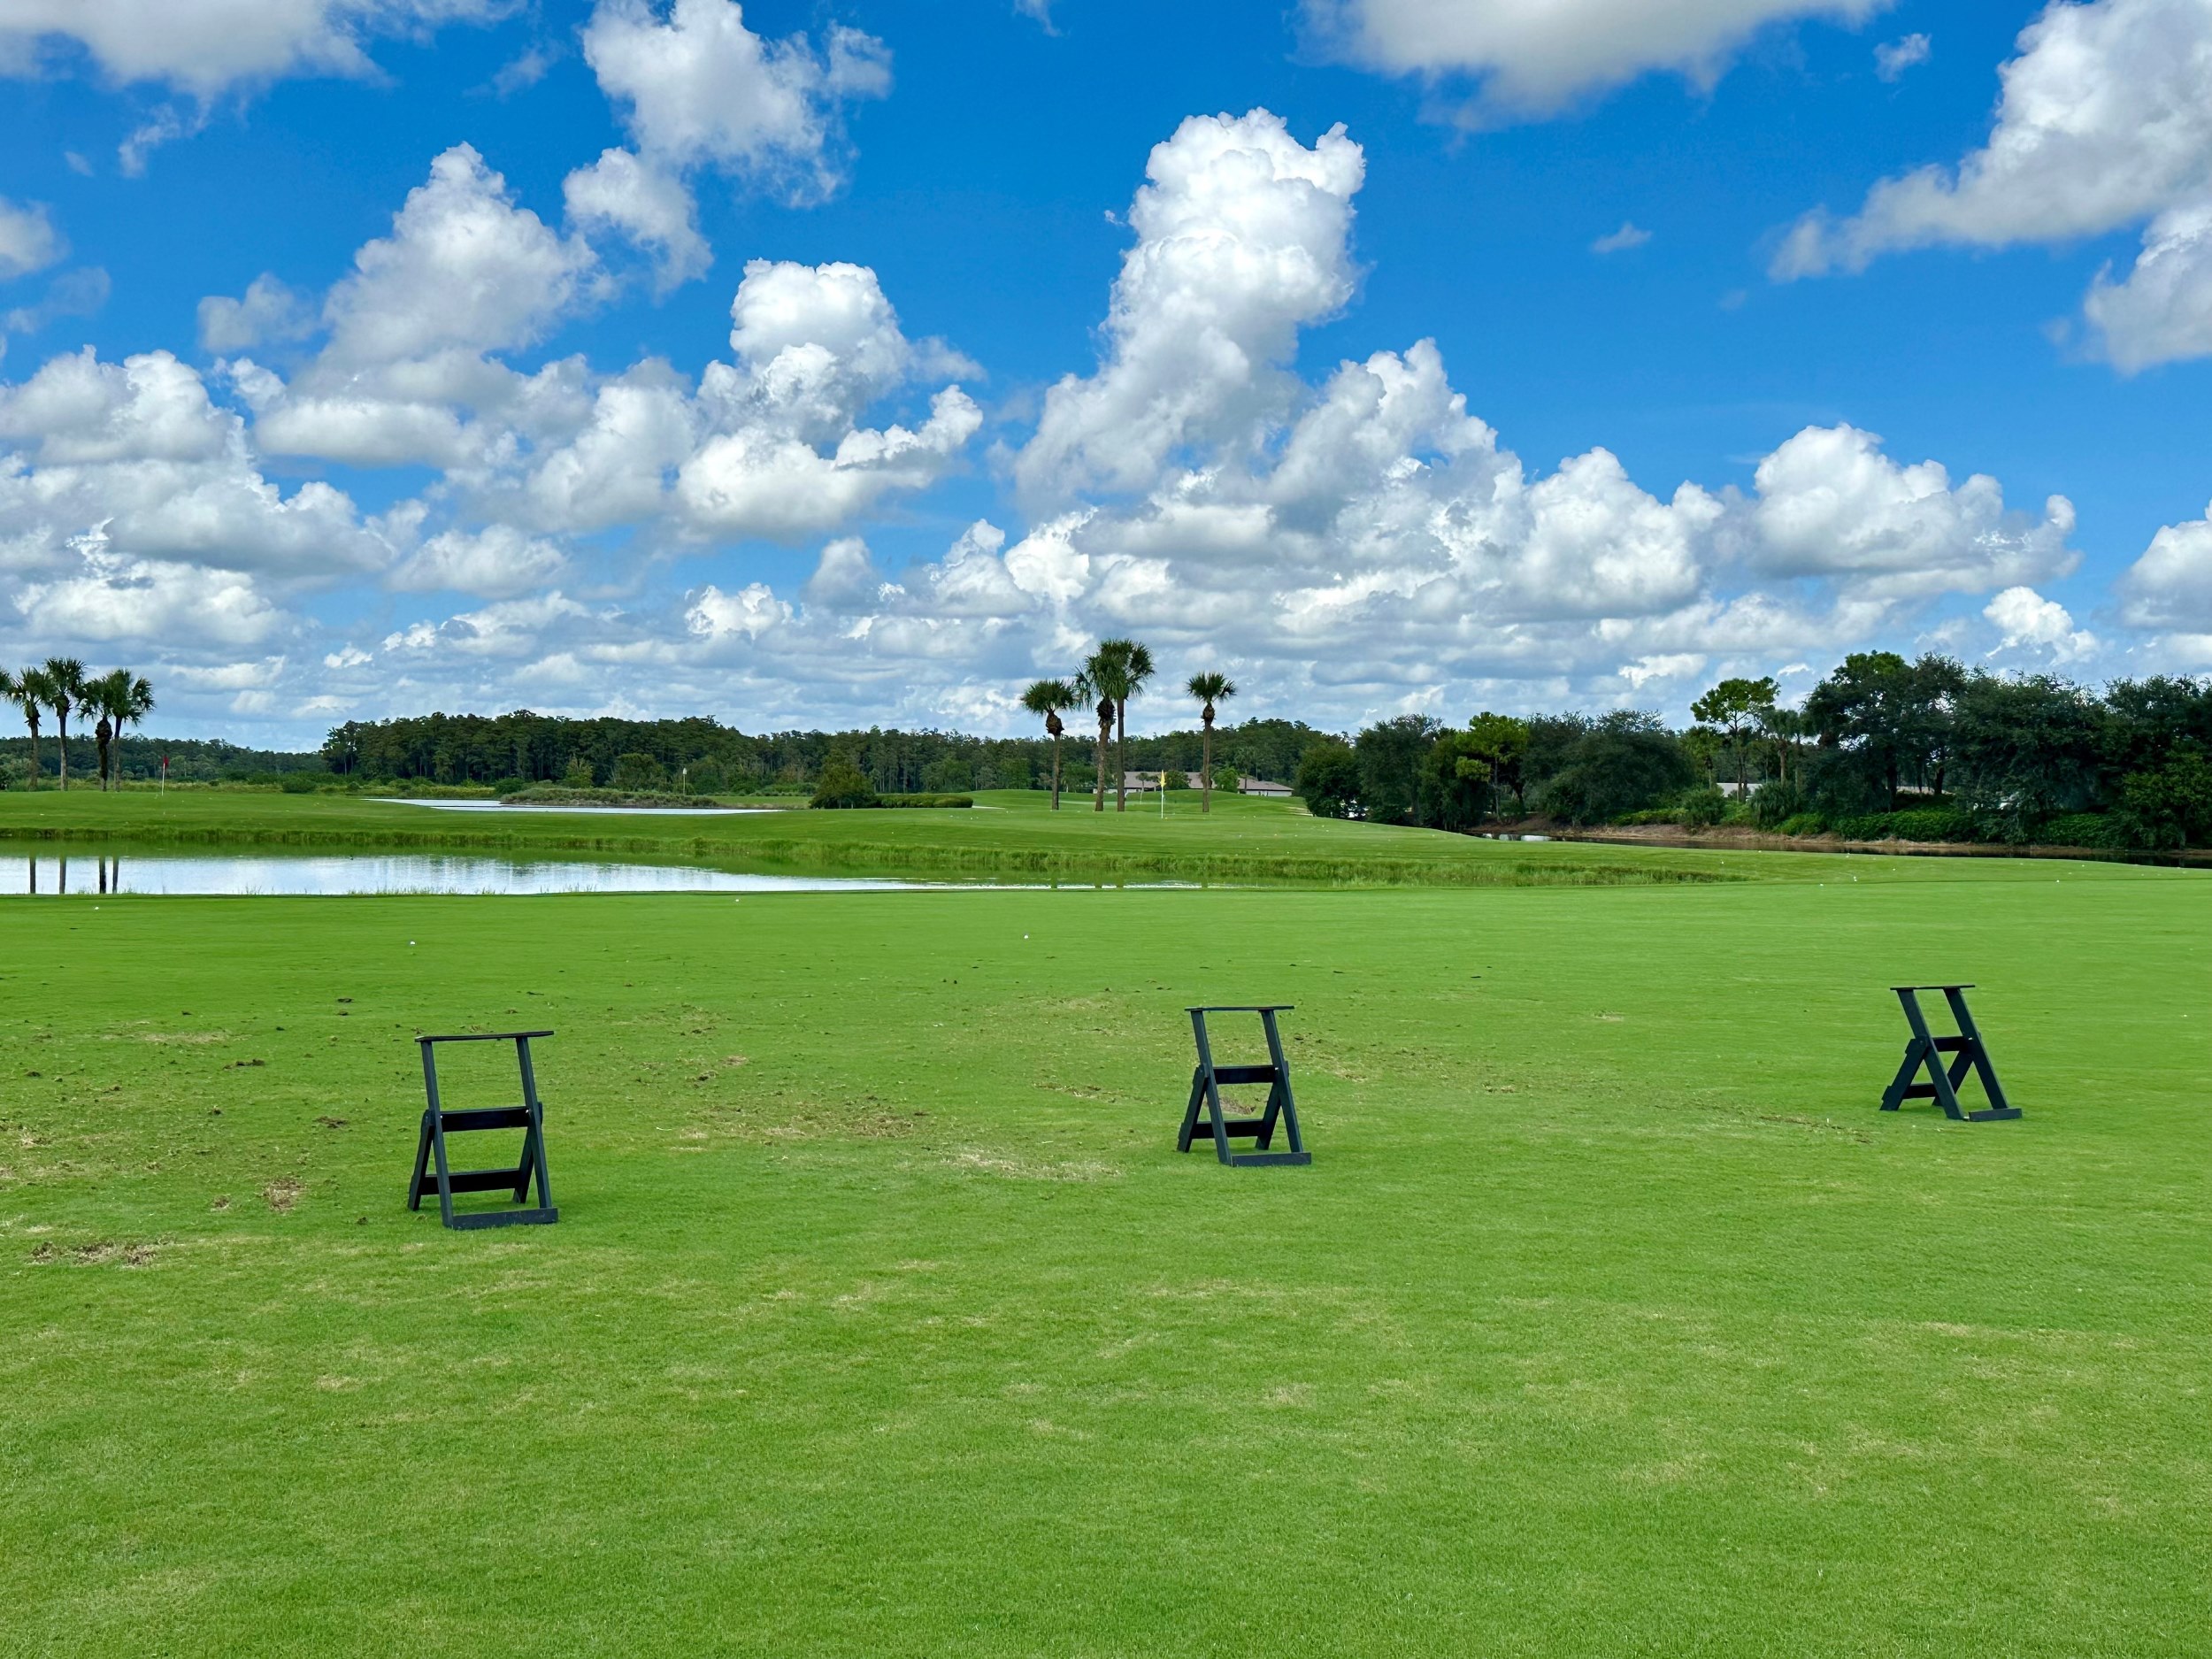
column 48, row 874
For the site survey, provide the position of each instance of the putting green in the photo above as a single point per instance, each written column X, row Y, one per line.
column 1611, row 1317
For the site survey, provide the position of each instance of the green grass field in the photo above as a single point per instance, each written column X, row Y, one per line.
column 1611, row 1317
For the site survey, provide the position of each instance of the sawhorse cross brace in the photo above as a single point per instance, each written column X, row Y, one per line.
column 437, row 1122
column 1205, row 1090
column 1924, row 1049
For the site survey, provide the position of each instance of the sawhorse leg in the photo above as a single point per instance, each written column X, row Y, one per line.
column 1976, row 1052
column 1203, row 1089
column 1280, row 1105
column 1922, row 1050
column 533, row 1139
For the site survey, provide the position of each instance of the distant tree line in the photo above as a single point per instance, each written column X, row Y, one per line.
column 1882, row 747
column 1928, row 750
column 700, row 757
column 138, row 760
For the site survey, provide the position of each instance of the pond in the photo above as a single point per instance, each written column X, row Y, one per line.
column 96, row 872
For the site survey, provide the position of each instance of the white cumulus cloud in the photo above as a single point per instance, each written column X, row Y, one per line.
column 466, row 272
column 649, row 206
column 2170, row 589
column 1242, row 236
column 1536, row 55
column 2161, row 310
column 206, row 46
column 700, row 90
column 28, row 240
column 269, row 313
column 2025, row 618
column 497, row 562
column 1831, row 502
column 136, row 456
column 2104, row 120
column 1893, row 59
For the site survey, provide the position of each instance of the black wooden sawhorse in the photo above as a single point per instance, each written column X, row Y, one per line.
column 1205, row 1090
column 1924, row 1049
column 437, row 1122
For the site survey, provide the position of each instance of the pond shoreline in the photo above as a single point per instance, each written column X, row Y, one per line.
column 1733, row 838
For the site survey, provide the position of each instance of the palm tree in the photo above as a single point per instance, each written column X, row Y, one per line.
column 1209, row 689
column 1048, row 697
column 1136, row 668
column 28, row 691
column 1104, row 673
column 65, row 690
column 123, row 699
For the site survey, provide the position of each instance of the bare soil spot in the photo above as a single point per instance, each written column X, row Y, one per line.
column 99, row 1253
column 1021, row 1168
column 281, row 1194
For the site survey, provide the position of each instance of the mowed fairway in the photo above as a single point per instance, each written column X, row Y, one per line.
column 1611, row 1317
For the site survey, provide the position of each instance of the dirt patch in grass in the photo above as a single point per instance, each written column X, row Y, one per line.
column 281, row 1194
column 99, row 1253
column 1020, row 1169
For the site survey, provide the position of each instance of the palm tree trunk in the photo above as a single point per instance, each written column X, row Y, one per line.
column 61, row 734
column 1121, row 755
column 1206, row 760
column 33, row 723
column 1105, row 743
column 1056, row 771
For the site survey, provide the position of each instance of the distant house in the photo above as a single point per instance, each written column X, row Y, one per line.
column 1261, row 786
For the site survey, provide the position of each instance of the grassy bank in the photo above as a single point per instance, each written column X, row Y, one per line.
column 1010, row 833
column 1611, row 1318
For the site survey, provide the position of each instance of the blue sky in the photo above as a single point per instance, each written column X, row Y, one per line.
column 852, row 363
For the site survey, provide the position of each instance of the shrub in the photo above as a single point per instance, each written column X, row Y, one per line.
column 504, row 786
column 706, row 777
column 1173, row 780
column 1933, row 824
column 1774, row 803
column 1702, row 807
column 2172, row 806
column 1802, row 824
column 842, row 786
column 2102, row 829
column 640, row 772
column 300, row 782
column 1863, row 826
column 1227, row 781
column 579, row 775
column 925, row 800
column 1648, row 815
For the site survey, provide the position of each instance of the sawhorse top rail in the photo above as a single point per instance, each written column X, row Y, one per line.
column 1924, row 1049
column 437, row 1122
column 1207, row 1079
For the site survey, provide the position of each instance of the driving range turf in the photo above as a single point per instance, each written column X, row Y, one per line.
column 1611, row 1317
